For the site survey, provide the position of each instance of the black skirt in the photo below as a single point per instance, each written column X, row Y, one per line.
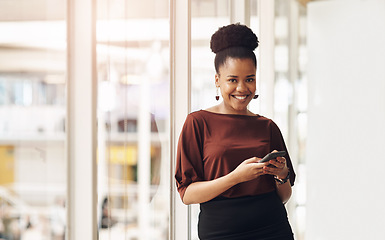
column 261, row 217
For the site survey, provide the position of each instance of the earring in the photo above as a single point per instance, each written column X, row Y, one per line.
column 255, row 96
column 217, row 96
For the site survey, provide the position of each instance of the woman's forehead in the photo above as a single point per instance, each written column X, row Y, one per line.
column 238, row 65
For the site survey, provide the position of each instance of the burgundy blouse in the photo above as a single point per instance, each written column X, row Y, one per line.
column 212, row 145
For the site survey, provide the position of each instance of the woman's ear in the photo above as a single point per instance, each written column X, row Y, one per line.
column 217, row 80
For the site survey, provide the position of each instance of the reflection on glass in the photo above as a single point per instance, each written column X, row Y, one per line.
column 32, row 117
column 133, row 119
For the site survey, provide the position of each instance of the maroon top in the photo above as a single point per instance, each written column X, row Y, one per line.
column 212, row 145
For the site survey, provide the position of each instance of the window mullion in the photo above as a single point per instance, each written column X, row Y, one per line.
column 180, row 95
column 240, row 11
column 266, row 56
column 81, row 121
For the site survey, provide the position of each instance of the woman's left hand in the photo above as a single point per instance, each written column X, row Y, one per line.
column 277, row 167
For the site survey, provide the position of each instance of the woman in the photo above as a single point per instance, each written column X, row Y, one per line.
column 219, row 149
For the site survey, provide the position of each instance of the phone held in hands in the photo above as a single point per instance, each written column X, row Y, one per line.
column 272, row 155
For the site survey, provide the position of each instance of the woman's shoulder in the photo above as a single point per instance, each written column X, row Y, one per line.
column 205, row 114
column 263, row 118
column 268, row 121
column 196, row 114
column 195, row 117
column 202, row 117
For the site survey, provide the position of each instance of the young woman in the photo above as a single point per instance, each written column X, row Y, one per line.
column 220, row 148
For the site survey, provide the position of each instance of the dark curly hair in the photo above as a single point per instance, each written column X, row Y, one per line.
column 233, row 41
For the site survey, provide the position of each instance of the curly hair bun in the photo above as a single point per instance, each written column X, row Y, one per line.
column 233, row 35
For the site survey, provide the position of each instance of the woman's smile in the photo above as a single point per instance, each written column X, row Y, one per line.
column 240, row 97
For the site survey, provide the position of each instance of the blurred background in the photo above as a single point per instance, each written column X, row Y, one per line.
column 315, row 59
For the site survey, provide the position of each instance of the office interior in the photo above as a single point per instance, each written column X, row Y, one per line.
column 93, row 95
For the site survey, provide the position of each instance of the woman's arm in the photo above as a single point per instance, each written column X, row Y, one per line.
column 284, row 191
column 199, row 192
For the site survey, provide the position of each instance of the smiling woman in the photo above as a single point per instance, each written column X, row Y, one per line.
column 239, row 197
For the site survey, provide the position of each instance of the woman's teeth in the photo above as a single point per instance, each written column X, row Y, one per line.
column 240, row 97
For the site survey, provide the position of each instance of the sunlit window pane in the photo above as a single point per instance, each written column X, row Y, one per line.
column 32, row 117
column 133, row 119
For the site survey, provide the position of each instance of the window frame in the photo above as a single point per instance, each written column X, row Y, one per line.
column 81, row 120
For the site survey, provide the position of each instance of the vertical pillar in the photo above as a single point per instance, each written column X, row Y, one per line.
column 266, row 56
column 240, row 11
column 180, row 65
column 293, row 46
column 81, row 121
column 144, row 160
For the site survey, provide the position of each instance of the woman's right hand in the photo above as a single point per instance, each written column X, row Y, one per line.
column 203, row 191
column 249, row 169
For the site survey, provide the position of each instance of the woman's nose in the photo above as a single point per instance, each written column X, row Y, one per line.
column 241, row 86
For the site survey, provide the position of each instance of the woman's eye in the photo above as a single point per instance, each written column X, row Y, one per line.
column 250, row 80
column 233, row 80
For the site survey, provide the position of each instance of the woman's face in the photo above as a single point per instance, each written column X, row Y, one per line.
column 236, row 79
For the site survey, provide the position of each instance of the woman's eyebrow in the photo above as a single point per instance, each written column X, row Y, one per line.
column 235, row 76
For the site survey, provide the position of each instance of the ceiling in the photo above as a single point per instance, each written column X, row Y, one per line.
column 38, row 10
column 43, row 10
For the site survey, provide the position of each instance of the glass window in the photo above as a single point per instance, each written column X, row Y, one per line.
column 32, row 114
column 133, row 119
column 289, row 88
column 290, row 98
column 207, row 17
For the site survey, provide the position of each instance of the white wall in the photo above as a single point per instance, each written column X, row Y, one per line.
column 346, row 135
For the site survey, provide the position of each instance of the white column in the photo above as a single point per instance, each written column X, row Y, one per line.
column 81, row 121
column 266, row 56
column 144, row 160
column 102, row 164
column 293, row 40
column 180, row 104
column 240, row 11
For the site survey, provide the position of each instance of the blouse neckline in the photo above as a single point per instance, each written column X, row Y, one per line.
column 230, row 114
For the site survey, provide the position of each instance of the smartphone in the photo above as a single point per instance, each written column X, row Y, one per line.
column 272, row 155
